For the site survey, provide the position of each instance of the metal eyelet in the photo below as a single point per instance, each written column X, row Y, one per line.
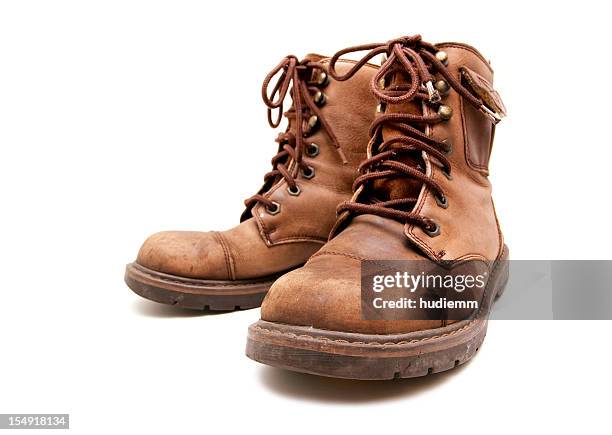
column 320, row 98
column 322, row 79
column 294, row 191
column 310, row 125
column 275, row 209
column 312, row 150
column 308, row 173
column 445, row 112
column 433, row 231
column 447, row 146
column 442, row 87
column 441, row 200
column 442, row 56
column 446, row 173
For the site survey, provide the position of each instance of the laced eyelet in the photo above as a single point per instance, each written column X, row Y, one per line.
column 447, row 146
column 308, row 173
column 312, row 150
column 441, row 200
column 432, row 230
column 310, row 125
column 380, row 108
column 294, row 191
column 274, row 209
column 442, row 87
column 320, row 98
column 446, row 173
column 442, row 56
column 445, row 112
column 322, row 79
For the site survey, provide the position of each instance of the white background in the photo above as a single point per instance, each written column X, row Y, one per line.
column 123, row 118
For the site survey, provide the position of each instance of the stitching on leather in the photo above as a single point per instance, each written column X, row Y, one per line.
column 483, row 169
column 416, row 239
column 197, row 284
column 410, row 228
column 500, row 236
column 367, row 343
column 229, row 259
column 265, row 232
column 392, row 343
column 468, row 257
column 342, row 254
column 220, row 242
column 301, row 238
column 263, row 229
column 421, row 243
column 468, row 48
column 380, row 262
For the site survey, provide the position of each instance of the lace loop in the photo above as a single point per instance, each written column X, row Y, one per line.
column 287, row 66
column 294, row 78
column 415, row 60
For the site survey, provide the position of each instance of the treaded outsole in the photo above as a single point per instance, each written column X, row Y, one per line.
column 375, row 357
column 196, row 294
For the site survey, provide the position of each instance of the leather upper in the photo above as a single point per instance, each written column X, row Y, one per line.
column 267, row 244
column 326, row 292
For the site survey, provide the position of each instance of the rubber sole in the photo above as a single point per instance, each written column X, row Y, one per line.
column 375, row 357
column 197, row 294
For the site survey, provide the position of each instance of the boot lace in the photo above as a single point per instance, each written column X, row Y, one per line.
column 417, row 62
column 302, row 80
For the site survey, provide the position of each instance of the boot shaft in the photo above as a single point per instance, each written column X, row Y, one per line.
column 334, row 143
column 430, row 145
column 466, row 220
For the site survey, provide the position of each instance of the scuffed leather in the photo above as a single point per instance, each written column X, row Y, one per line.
column 185, row 253
column 326, row 292
column 468, row 227
column 266, row 244
column 350, row 110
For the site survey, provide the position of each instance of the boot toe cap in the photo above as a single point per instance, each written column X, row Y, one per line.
column 185, row 253
column 326, row 294
column 316, row 295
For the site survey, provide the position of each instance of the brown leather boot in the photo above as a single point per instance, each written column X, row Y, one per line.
column 291, row 216
column 422, row 194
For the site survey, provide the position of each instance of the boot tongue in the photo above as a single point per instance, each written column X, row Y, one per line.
column 401, row 187
column 314, row 57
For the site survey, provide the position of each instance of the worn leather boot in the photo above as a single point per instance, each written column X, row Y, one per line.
column 423, row 195
column 291, row 216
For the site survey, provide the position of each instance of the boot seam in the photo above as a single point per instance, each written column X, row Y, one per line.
column 367, row 343
column 196, row 281
column 469, row 48
column 229, row 260
column 482, row 169
column 299, row 238
column 342, row 254
column 477, row 317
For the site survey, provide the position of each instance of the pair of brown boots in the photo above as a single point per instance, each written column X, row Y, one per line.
column 377, row 163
